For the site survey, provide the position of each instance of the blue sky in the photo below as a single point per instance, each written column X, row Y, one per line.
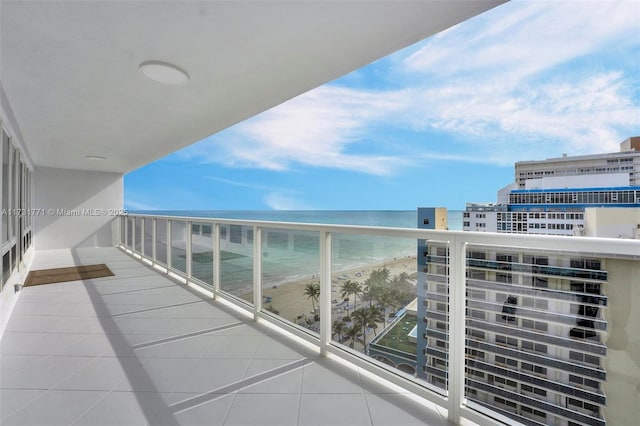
column 439, row 123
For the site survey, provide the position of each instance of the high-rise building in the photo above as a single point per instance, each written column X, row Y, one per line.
column 536, row 331
column 550, row 196
column 626, row 161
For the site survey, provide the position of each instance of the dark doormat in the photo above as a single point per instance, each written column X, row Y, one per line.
column 73, row 273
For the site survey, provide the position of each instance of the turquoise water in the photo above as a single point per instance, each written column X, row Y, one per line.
column 290, row 255
column 392, row 218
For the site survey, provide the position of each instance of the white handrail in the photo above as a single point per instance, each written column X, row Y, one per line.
column 458, row 242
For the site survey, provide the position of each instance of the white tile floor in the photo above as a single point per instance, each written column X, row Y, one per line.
column 139, row 349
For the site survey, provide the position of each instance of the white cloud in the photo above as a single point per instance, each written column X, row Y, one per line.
column 519, row 39
column 525, row 80
column 532, row 78
column 245, row 185
column 135, row 205
column 278, row 201
column 316, row 129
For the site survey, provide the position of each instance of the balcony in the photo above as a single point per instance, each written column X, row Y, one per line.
column 236, row 322
column 142, row 348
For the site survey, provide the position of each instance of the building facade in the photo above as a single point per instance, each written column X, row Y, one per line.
column 550, row 196
column 536, row 327
column 626, row 161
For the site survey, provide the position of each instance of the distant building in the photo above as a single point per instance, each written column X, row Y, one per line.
column 611, row 223
column 550, row 196
column 482, row 216
column 626, row 161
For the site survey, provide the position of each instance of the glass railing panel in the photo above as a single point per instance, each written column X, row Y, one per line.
column 291, row 275
column 202, row 251
column 530, row 352
column 161, row 241
column 138, row 234
column 179, row 245
column 236, row 261
column 147, row 230
column 379, row 302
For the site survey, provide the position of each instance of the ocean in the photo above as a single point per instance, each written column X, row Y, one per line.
column 292, row 255
column 392, row 218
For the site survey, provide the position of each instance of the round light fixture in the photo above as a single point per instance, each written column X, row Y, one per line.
column 163, row 72
column 95, row 157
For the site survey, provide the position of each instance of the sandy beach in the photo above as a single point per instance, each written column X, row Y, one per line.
column 289, row 298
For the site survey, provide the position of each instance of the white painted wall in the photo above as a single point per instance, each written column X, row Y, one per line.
column 618, row 222
column 580, row 181
column 77, row 191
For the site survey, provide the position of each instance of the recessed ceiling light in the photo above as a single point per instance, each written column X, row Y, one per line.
column 163, row 72
column 95, row 157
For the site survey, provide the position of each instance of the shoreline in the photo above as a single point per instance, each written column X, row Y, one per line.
column 290, row 301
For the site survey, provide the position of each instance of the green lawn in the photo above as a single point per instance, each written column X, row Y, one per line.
column 396, row 337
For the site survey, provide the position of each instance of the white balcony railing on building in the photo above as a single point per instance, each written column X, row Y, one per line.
column 558, row 313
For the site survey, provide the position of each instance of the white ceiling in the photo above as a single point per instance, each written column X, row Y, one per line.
column 70, row 68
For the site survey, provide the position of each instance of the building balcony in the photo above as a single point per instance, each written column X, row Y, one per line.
column 141, row 347
column 215, row 321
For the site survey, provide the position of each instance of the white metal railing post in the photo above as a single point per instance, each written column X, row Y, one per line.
column 216, row 258
column 133, row 236
column 169, row 242
column 257, row 271
column 325, row 291
column 457, row 314
column 123, row 228
column 126, row 231
column 154, row 237
column 143, row 221
column 188, row 251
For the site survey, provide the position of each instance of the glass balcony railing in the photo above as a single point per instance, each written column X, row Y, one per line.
column 533, row 329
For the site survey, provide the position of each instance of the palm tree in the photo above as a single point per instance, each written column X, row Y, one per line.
column 352, row 332
column 347, row 289
column 366, row 318
column 312, row 291
column 380, row 276
column 339, row 327
column 375, row 316
column 386, row 300
column 371, row 291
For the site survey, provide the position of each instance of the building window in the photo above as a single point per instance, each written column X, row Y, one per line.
column 506, row 382
column 534, row 390
column 474, row 313
column 534, row 368
column 532, row 412
column 535, row 325
column 532, row 346
column 504, row 340
column 584, row 358
column 504, row 402
column 477, row 334
column 509, row 308
column 506, row 361
column 593, row 409
column 581, row 381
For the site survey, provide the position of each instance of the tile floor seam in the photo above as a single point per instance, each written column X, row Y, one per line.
column 235, row 387
column 156, row 308
column 53, row 388
column 23, row 406
column 233, row 397
column 366, row 403
column 88, row 409
column 137, row 289
column 180, row 337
